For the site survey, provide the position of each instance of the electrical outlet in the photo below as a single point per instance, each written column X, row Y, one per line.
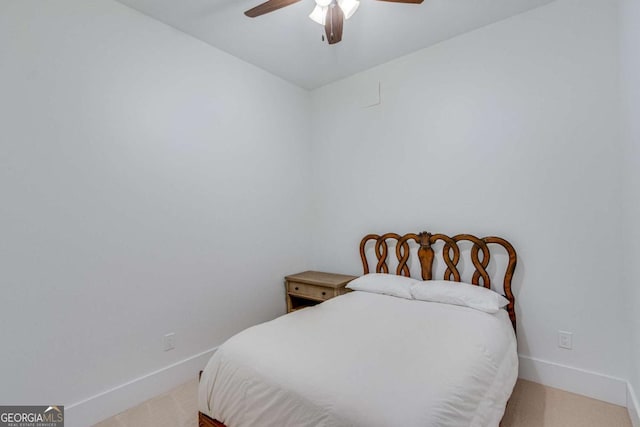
column 169, row 341
column 565, row 340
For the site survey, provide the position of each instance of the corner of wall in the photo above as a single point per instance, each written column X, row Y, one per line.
column 632, row 406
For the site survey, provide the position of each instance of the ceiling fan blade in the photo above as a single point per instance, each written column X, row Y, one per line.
column 404, row 1
column 333, row 24
column 269, row 6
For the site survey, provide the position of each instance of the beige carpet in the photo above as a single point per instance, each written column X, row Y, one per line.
column 532, row 405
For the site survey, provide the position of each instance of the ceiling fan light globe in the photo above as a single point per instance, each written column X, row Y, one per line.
column 348, row 7
column 318, row 14
column 323, row 3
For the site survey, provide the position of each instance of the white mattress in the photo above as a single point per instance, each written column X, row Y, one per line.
column 365, row 359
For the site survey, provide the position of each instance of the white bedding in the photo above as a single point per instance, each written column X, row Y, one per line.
column 365, row 359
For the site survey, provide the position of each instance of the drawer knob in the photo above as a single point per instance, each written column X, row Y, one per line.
column 324, row 293
column 296, row 288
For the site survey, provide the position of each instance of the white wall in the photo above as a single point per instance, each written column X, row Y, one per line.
column 510, row 130
column 149, row 184
column 630, row 90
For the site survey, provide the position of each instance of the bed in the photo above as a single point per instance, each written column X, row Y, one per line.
column 366, row 359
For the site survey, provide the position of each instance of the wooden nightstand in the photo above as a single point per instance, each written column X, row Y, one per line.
column 312, row 287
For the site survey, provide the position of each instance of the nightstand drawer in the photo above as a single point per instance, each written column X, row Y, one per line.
column 311, row 291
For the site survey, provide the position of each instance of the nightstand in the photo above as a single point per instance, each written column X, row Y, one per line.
column 313, row 287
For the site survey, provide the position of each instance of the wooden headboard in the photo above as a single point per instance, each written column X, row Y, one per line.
column 480, row 256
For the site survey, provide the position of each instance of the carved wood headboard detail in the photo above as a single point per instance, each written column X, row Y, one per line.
column 450, row 255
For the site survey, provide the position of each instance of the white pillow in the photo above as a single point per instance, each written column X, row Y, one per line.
column 387, row 284
column 457, row 293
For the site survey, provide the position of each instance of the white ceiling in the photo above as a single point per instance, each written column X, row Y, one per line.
column 287, row 43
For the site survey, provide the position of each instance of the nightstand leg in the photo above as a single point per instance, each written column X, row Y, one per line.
column 289, row 303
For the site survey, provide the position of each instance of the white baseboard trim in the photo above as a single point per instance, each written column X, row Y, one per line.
column 111, row 402
column 633, row 407
column 580, row 381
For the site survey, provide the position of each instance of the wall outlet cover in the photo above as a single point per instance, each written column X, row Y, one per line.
column 169, row 341
column 565, row 340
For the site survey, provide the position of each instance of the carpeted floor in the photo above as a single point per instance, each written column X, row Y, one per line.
column 534, row 405
column 531, row 405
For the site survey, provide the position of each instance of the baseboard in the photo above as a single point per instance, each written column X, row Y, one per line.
column 633, row 407
column 111, row 402
column 579, row 381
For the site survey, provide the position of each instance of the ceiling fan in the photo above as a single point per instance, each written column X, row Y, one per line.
column 328, row 13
